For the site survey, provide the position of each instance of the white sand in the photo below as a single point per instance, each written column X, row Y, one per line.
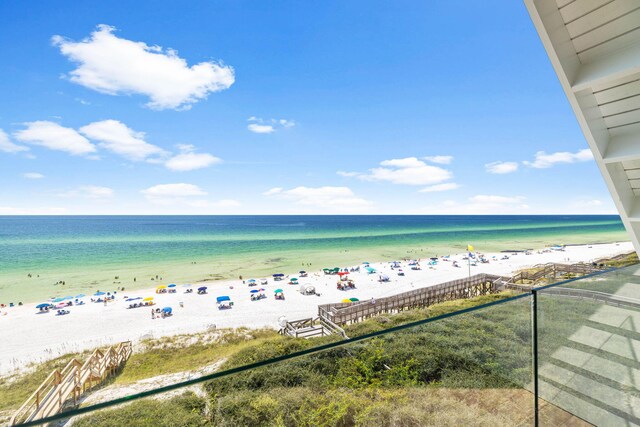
column 29, row 336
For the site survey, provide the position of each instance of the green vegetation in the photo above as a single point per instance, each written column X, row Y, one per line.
column 187, row 352
column 405, row 378
column 455, row 371
column 185, row 410
column 629, row 259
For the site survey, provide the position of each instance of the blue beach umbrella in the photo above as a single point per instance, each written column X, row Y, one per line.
column 202, row 288
column 254, row 291
column 80, row 296
column 98, row 294
column 223, row 298
column 173, row 285
column 167, row 309
column 58, row 299
column 68, row 297
column 43, row 305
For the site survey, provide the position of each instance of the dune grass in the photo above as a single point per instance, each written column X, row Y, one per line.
column 189, row 352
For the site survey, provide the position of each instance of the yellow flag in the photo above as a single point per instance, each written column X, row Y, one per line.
column 470, row 248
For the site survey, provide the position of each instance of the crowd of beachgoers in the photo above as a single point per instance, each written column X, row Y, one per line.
column 69, row 323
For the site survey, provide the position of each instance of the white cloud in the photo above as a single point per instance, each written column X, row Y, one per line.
column 113, row 65
column 407, row 171
column 273, row 191
column 442, row 160
column 481, row 204
column 440, row 187
column 256, row 128
column 501, row 167
column 33, row 175
column 115, row 136
column 587, row 203
column 482, row 198
column 340, row 199
column 89, row 192
column 191, row 161
column 173, row 190
column 55, row 137
column 259, row 125
column 11, row 210
column 287, row 123
column 347, row 174
column 544, row 160
column 9, row 147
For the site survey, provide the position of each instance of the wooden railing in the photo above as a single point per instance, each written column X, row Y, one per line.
column 345, row 313
column 64, row 387
column 550, row 271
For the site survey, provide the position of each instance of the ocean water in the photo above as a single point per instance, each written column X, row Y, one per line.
column 105, row 252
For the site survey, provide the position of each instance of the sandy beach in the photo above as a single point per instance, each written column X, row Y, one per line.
column 31, row 336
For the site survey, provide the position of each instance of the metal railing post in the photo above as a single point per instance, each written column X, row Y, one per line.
column 534, row 350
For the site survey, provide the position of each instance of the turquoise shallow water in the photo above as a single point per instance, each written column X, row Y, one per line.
column 90, row 252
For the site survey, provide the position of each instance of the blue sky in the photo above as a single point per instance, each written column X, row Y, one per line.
column 285, row 107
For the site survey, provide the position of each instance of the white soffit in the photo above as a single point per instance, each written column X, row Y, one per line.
column 594, row 46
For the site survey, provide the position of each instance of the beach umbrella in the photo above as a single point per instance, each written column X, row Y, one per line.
column 278, row 291
column 278, row 275
column 167, row 309
column 294, row 279
column 354, row 299
column 98, row 294
column 173, row 285
column 161, row 287
column 343, row 273
column 254, row 291
column 252, row 280
column 202, row 288
column 80, row 296
column 346, row 300
column 148, row 299
column 366, row 262
column 68, row 297
column 302, row 272
column 57, row 300
column 223, row 298
column 43, row 305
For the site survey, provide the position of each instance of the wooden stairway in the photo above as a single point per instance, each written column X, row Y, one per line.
column 64, row 387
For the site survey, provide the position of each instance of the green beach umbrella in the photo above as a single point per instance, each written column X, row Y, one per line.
column 354, row 299
column 278, row 291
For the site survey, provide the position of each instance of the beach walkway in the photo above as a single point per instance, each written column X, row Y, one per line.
column 64, row 387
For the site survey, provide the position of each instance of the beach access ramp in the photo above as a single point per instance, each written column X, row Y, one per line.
column 64, row 387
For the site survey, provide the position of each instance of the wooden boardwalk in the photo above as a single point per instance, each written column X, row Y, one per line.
column 479, row 284
column 63, row 388
column 346, row 313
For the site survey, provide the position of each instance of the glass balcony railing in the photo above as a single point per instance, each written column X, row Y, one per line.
column 589, row 347
column 563, row 354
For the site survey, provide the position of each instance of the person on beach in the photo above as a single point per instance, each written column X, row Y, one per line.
column 153, row 314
